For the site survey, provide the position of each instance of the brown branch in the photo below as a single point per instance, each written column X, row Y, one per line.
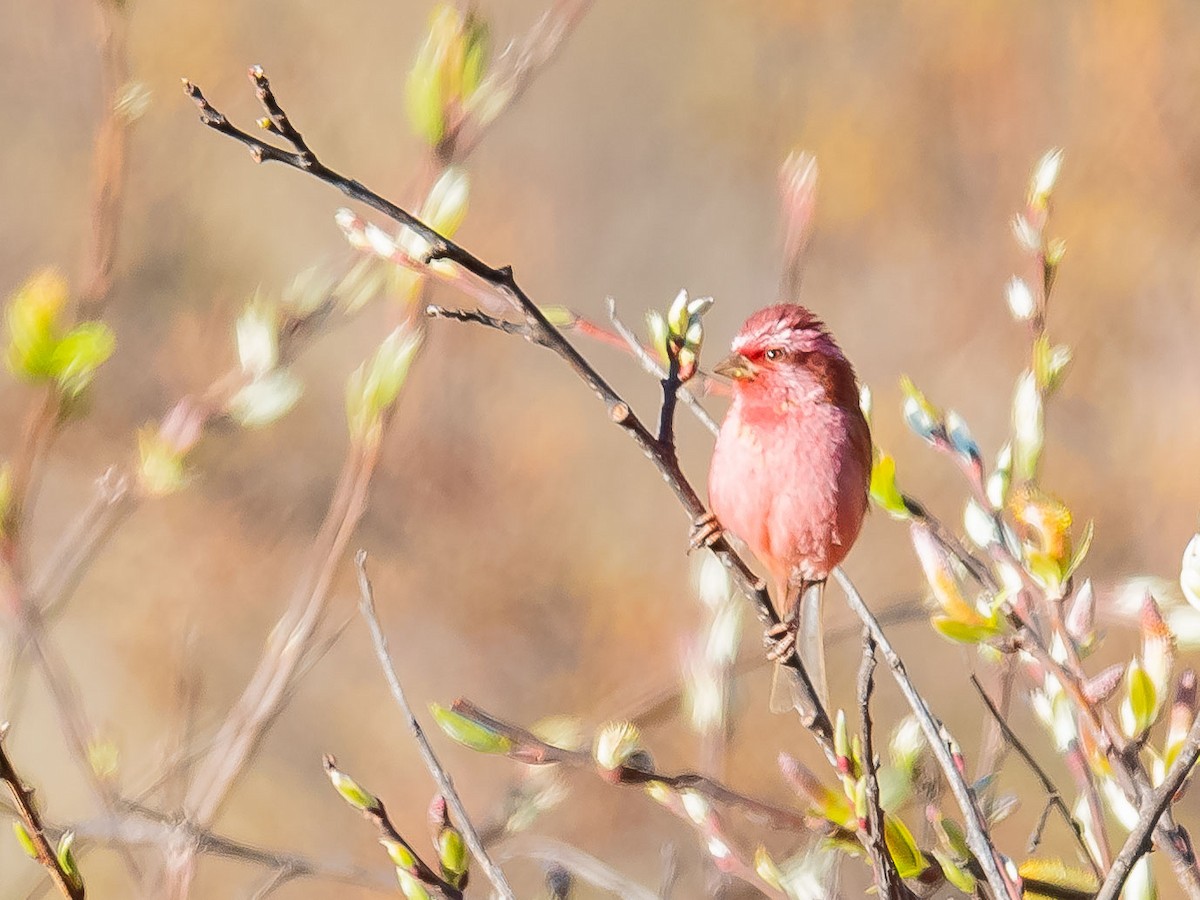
column 887, row 878
column 69, row 886
column 1053, row 795
column 503, row 281
column 375, row 812
column 1153, row 808
column 445, row 785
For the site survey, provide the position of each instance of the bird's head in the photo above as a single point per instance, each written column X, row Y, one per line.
column 786, row 354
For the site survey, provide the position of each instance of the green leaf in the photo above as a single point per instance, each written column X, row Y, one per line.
column 79, row 354
column 34, row 315
column 352, row 792
column 374, row 386
column 959, row 877
column 910, row 861
column 66, row 859
column 1081, row 550
column 884, row 490
column 411, row 886
column 24, row 840
column 1043, row 876
column 966, row 632
column 468, row 732
column 452, row 855
column 1139, row 708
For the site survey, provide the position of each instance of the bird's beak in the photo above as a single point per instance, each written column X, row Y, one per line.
column 737, row 367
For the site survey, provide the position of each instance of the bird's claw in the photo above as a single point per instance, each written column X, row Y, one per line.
column 706, row 530
column 780, row 639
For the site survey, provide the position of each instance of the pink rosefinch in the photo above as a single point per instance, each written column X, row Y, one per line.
column 791, row 470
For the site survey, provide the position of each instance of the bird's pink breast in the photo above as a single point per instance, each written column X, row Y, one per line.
column 792, row 483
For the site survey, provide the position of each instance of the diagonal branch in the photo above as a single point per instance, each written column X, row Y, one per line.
column 69, row 886
column 445, row 785
column 504, row 283
column 1153, row 809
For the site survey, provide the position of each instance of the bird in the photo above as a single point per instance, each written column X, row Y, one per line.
column 790, row 474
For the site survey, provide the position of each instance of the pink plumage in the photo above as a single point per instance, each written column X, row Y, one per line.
column 792, row 466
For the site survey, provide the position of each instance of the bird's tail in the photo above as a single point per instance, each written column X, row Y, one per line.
column 786, row 691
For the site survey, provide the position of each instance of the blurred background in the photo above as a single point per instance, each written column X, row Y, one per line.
column 524, row 553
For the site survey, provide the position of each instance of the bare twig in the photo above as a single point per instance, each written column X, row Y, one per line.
column 978, row 838
column 445, row 784
column 887, row 878
column 1152, row 809
column 68, row 885
column 1053, row 795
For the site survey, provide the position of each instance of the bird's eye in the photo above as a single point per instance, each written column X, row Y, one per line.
column 773, row 354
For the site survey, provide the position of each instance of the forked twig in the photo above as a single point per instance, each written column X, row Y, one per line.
column 1152, row 810
column 1053, row 795
column 366, row 605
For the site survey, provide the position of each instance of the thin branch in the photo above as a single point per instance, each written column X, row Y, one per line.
column 887, row 878
column 366, row 605
column 1152, row 810
column 480, row 318
column 403, row 855
column 68, row 886
column 528, row 748
column 1053, row 795
column 978, row 838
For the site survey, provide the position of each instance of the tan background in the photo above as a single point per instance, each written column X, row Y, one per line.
column 525, row 554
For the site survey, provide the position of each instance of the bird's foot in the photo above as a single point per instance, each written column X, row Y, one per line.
column 780, row 640
column 706, row 530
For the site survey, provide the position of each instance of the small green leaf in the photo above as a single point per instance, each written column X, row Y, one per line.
column 910, row 861
column 468, row 732
column 374, row 386
column 959, row 877
column 79, row 354
column 1042, row 876
column 1138, row 710
column 452, row 855
column 66, row 859
column 24, row 840
column 411, row 886
column 400, row 855
column 34, row 324
column 766, row 868
column 352, row 792
column 884, row 490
